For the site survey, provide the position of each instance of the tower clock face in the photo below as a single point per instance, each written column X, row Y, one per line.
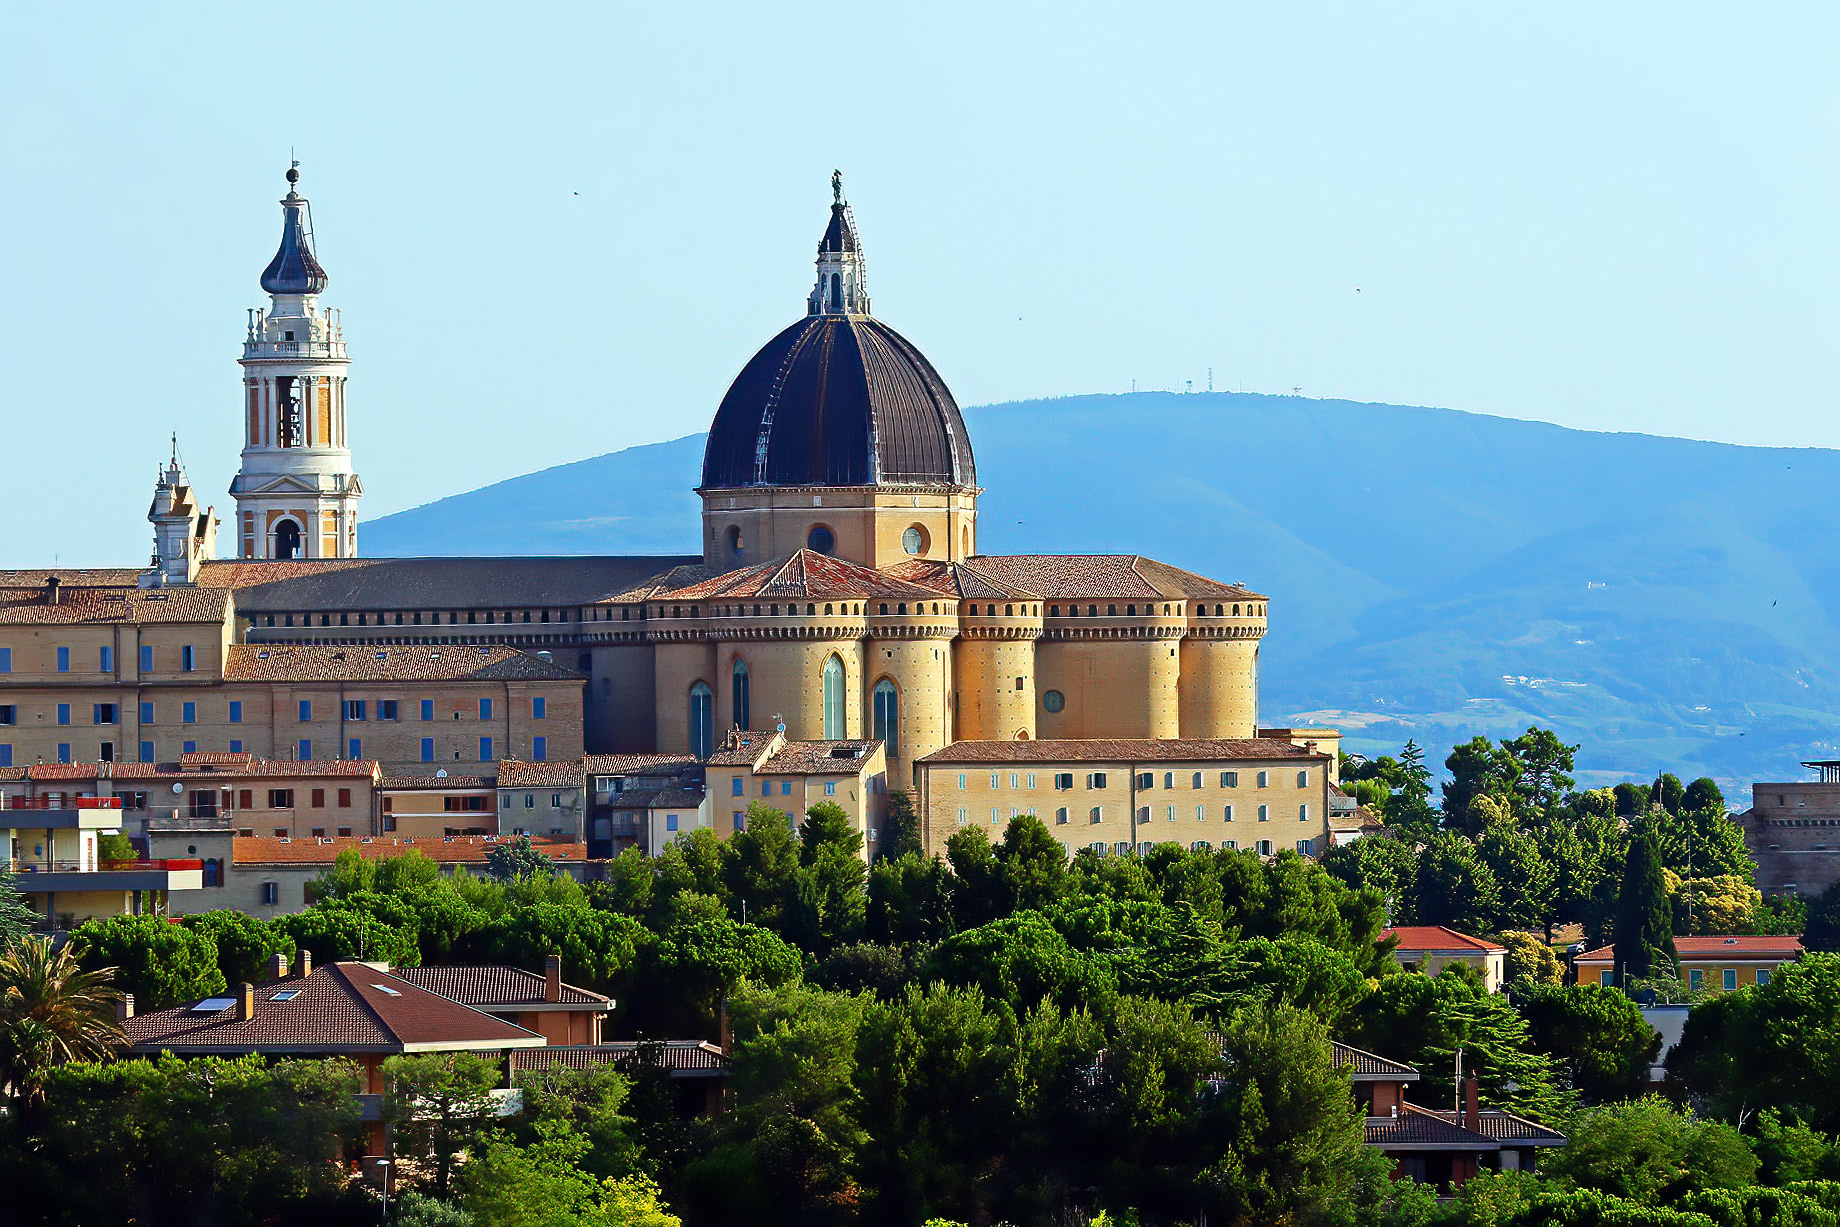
column 1053, row 700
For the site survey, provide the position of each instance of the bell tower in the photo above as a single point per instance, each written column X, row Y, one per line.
column 296, row 496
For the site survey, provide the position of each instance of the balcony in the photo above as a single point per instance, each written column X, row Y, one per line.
column 55, row 802
column 51, row 876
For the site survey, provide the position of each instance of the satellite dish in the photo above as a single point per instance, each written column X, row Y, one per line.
column 780, row 727
column 178, row 787
column 441, row 774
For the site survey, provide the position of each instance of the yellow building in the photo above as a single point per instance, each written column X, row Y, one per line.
column 793, row 776
column 1718, row 963
column 840, row 596
column 1118, row 796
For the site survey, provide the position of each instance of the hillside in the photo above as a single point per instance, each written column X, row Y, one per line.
column 1433, row 573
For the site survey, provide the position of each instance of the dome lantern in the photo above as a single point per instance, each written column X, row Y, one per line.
column 294, row 270
column 843, row 284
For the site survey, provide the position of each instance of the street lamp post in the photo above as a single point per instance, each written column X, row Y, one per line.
column 385, row 1165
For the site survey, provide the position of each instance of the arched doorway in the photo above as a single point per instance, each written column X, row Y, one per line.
column 287, row 539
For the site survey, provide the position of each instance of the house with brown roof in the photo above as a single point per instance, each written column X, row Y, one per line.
column 354, row 1010
column 1433, row 1146
column 1431, row 948
column 559, row 1012
column 1721, row 962
column 789, row 776
column 437, row 804
column 1261, row 795
column 698, row 1070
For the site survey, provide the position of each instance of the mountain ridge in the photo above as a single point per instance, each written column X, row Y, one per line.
column 1433, row 572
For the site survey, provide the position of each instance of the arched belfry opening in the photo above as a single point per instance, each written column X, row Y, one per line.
column 287, row 540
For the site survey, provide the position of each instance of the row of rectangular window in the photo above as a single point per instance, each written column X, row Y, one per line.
column 105, row 753
column 355, row 710
column 1097, row 814
column 1696, row 978
column 105, row 659
column 1063, row 780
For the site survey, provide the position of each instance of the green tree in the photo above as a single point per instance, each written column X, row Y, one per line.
column 346, row 929
column 1389, row 867
column 1821, row 930
column 245, row 945
column 162, row 964
column 760, row 865
column 909, row 900
column 830, row 858
column 543, row 1184
column 1526, row 884
column 979, row 893
column 1543, row 767
column 439, row 1104
column 114, row 846
column 1667, row 792
column 1454, row 887
column 1528, row 958
column 1599, row 1037
column 1703, row 794
column 1770, row 1045
column 1022, row 960
column 1410, row 804
column 596, row 947
column 1650, row 1152
column 51, row 1011
column 900, row 827
column 1478, row 768
column 514, row 858
column 1295, row 1152
column 16, row 915
column 1031, row 862
column 1644, row 919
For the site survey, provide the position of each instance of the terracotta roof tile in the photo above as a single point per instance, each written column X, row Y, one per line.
column 958, row 579
column 433, row 583
column 495, row 987
column 1094, row 750
column 422, row 662
column 805, row 575
column 416, row 783
column 1436, row 937
column 819, row 758
column 244, row 767
column 561, row 773
column 340, row 1007
column 1066, row 576
column 1414, row 1128
column 676, row 1056
column 1367, row 1065
column 1743, row 946
column 638, row 764
column 112, row 605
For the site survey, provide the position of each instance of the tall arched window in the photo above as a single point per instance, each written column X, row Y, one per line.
column 287, row 540
column 741, row 694
column 833, row 699
column 888, row 716
column 836, row 291
column 702, row 720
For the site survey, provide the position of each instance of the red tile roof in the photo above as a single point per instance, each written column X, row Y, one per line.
column 1125, row 750
column 339, row 1008
column 805, row 575
column 957, row 579
column 419, row 783
column 497, row 987
column 819, row 758
column 681, row 1058
column 450, row 849
column 561, row 773
column 1065, row 576
column 1738, row 946
column 255, row 662
column 1415, row 938
column 113, row 605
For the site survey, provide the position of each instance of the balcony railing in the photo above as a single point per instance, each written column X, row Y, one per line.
column 60, row 802
column 62, row 866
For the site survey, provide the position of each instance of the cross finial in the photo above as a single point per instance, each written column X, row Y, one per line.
column 836, row 187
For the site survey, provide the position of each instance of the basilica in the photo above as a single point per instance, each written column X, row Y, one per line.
column 839, row 595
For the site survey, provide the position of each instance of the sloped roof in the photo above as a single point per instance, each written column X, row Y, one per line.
column 339, row 1008
column 433, row 583
column 1437, row 937
column 251, row 662
column 86, row 604
column 819, row 758
column 958, row 579
column 806, row 575
column 1416, row 1129
column 560, row 773
column 1069, row 576
column 1737, row 946
column 1369, row 1066
column 495, row 987
column 678, row 1057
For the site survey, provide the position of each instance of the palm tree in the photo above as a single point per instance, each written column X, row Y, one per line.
column 51, row 1011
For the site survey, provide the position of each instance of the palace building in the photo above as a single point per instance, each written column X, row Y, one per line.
column 840, row 596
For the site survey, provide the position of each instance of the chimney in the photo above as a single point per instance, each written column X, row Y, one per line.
column 303, row 963
column 246, row 1002
column 552, row 978
column 277, row 966
column 1472, row 1114
column 124, row 1008
column 52, row 595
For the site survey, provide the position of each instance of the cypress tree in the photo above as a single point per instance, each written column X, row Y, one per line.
column 1644, row 932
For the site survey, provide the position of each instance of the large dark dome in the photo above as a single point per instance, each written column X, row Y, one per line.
column 838, row 400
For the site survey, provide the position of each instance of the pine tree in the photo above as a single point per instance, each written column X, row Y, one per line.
column 1644, row 933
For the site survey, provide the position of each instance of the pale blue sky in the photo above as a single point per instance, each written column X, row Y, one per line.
column 1614, row 217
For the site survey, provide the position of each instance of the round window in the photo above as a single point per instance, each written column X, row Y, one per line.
column 821, row 540
column 1053, row 700
column 914, row 540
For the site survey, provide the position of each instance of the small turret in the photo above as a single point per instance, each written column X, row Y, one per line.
column 843, row 283
column 183, row 536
